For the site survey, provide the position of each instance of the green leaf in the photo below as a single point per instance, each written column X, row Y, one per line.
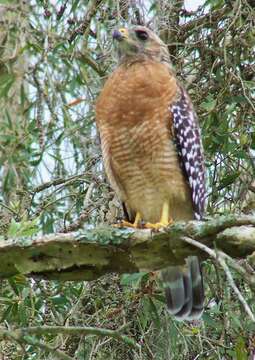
column 59, row 300
column 228, row 180
column 210, row 322
column 154, row 312
column 145, row 315
column 13, row 229
column 132, row 279
column 160, row 298
column 6, row 81
column 240, row 349
column 23, row 228
column 209, row 104
column 8, row 2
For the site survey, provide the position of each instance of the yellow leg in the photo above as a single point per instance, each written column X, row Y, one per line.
column 136, row 223
column 165, row 219
column 165, row 214
column 138, row 218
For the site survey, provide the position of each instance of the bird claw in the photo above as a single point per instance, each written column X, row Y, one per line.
column 136, row 225
column 124, row 223
column 139, row 224
column 158, row 225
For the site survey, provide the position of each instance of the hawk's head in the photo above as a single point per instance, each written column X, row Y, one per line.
column 139, row 42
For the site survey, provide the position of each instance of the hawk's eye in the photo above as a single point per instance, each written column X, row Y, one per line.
column 142, row 35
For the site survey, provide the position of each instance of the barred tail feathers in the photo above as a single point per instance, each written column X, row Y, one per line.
column 184, row 290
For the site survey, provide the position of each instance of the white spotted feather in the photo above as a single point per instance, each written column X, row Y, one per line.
column 190, row 149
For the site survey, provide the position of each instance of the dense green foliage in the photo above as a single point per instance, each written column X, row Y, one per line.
column 54, row 58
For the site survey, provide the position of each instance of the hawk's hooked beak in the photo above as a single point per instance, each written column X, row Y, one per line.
column 120, row 34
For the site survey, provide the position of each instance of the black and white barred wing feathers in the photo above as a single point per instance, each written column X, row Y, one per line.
column 190, row 149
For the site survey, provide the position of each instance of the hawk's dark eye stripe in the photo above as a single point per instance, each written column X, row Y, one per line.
column 142, row 35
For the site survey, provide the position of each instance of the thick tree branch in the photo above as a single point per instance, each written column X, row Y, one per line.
column 90, row 253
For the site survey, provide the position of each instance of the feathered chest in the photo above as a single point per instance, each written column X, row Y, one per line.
column 137, row 93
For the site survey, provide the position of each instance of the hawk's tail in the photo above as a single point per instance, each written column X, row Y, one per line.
column 184, row 290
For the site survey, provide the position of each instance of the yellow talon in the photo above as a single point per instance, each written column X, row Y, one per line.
column 158, row 225
column 165, row 220
column 136, row 223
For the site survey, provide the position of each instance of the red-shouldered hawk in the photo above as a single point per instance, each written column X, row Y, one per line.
column 152, row 152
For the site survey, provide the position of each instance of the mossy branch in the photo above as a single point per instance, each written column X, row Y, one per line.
column 92, row 252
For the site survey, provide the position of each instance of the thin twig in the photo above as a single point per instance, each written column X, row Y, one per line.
column 8, row 208
column 236, row 290
column 91, row 10
column 73, row 330
column 250, row 279
column 19, row 337
column 56, row 182
column 45, row 347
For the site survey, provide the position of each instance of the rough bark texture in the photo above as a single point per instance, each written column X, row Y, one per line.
column 90, row 253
